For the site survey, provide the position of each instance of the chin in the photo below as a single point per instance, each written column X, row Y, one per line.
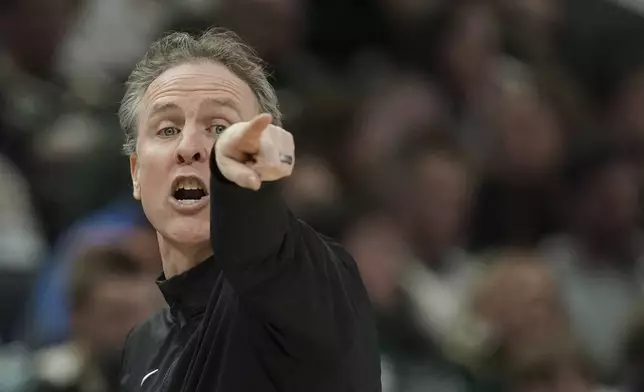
column 187, row 230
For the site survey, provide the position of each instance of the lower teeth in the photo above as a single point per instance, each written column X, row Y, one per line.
column 187, row 201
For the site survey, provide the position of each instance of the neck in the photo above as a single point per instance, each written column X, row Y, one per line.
column 177, row 259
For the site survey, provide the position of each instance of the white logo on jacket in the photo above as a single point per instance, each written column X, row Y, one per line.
column 148, row 375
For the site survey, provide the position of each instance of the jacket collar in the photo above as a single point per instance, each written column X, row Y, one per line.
column 187, row 294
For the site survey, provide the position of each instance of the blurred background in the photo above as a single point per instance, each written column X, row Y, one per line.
column 482, row 159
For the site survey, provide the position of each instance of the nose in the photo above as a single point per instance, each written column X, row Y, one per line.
column 192, row 147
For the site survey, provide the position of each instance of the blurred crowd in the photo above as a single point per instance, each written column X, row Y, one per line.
column 483, row 160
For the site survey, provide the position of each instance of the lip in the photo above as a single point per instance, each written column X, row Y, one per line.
column 189, row 208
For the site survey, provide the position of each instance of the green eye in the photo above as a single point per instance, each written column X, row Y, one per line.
column 217, row 129
column 169, row 131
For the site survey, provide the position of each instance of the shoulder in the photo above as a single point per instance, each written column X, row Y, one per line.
column 333, row 248
column 336, row 262
column 341, row 257
column 340, row 252
column 141, row 346
column 147, row 336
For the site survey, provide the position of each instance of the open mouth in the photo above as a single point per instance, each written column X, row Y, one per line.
column 189, row 189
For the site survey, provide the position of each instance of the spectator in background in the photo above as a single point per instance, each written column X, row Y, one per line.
column 105, row 40
column 534, row 31
column 379, row 250
column 467, row 55
column 430, row 195
column 517, row 298
column 467, row 49
column 274, row 28
column 30, row 98
column 512, row 313
column 472, row 72
column 598, row 258
column 556, row 365
column 22, row 247
column 377, row 246
column 32, row 31
column 110, row 292
column 515, row 334
column 400, row 110
column 514, row 206
column 314, row 194
column 119, row 224
column 425, row 274
column 45, row 129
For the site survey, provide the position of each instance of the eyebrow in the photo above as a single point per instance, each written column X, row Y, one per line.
column 159, row 108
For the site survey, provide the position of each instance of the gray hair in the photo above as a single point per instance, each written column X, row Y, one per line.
column 217, row 45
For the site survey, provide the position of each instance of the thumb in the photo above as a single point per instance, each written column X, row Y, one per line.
column 250, row 137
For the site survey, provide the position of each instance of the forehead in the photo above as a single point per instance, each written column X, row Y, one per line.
column 188, row 84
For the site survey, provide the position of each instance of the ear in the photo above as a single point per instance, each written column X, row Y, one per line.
column 134, row 173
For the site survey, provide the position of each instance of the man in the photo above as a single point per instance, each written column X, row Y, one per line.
column 110, row 291
column 597, row 258
column 258, row 301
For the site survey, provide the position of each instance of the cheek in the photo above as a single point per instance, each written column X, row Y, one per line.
column 154, row 190
column 153, row 171
column 152, row 181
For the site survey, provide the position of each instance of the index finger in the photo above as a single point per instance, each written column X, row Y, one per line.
column 255, row 128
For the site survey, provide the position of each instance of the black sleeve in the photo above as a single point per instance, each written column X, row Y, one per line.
column 305, row 288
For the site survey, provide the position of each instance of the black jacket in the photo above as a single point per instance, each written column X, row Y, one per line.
column 277, row 308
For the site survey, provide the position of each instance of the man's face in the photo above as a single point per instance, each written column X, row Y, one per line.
column 181, row 115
